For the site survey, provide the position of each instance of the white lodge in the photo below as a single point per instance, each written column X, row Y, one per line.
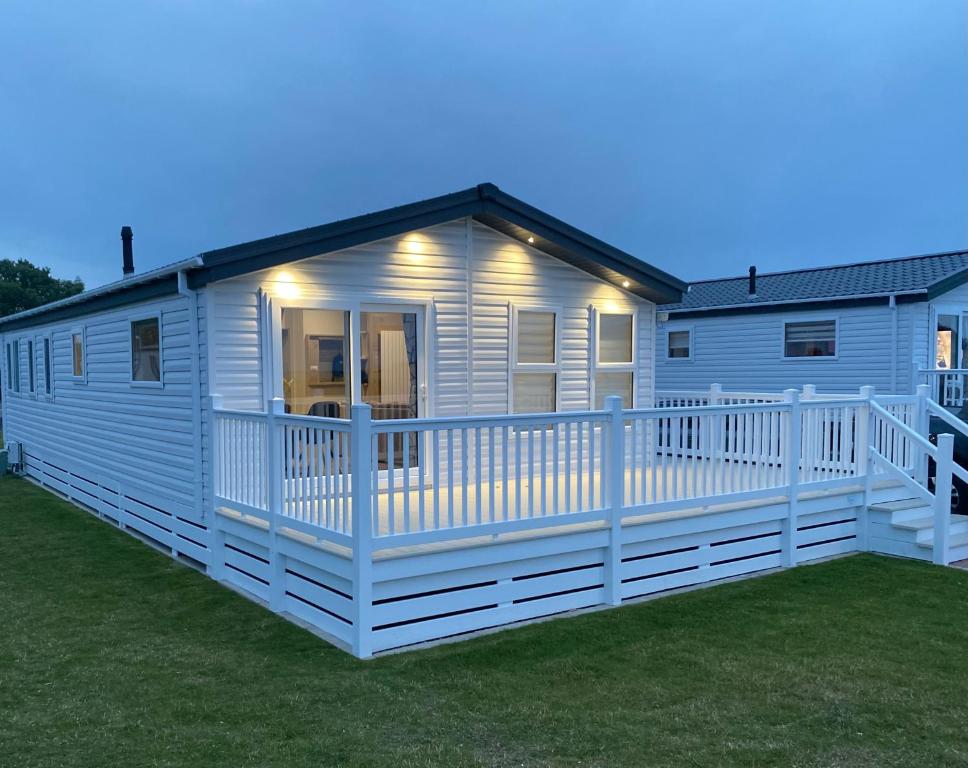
column 439, row 418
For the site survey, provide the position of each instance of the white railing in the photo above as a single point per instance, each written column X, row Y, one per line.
column 478, row 472
column 241, row 471
column 348, row 491
column 947, row 386
column 426, row 480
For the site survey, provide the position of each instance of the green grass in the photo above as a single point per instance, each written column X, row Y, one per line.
column 111, row 654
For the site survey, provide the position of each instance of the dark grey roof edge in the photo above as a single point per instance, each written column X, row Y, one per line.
column 483, row 202
column 148, row 285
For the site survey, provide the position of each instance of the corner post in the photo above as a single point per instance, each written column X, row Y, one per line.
column 276, row 456
column 923, row 426
column 789, row 530
column 216, row 563
column 361, row 491
column 615, row 462
column 865, row 465
column 942, row 498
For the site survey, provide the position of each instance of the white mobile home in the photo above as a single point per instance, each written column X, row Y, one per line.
column 891, row 324
column 436, row 419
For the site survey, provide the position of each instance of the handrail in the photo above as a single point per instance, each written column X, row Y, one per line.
column 942, row 413
column 940, row 371
column 930, row 448
column 824, row 402
column 496, row 420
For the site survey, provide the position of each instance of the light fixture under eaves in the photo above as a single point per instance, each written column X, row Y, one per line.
column 530, row 240
column 625, row 283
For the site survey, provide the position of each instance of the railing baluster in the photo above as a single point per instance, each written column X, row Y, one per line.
column 478, row 485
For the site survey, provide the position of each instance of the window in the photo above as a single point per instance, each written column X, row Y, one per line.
column 31, row 367
column 816, row 338
column 48, row 371
column 679, row 347
column 146, row 350
column 77, row 354
column 13, row 366
column 534, row 364
column 614, row 363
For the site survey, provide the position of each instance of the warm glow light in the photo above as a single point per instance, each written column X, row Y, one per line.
column 415, row 244
column 625, row 283
column 286, row 285
column 531, row 240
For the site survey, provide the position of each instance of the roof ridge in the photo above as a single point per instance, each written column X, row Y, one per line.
column 890, row 260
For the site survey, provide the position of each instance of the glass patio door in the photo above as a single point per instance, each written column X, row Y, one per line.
column 369, row 353
column 951, row 353
column 391, row 346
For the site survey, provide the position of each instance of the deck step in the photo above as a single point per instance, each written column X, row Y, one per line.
column 923, row 527
column 957, row 541
column 900, row 505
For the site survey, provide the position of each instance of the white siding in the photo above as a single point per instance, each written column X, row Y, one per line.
column 744, row 351
column 104, row 429
column 449, row 267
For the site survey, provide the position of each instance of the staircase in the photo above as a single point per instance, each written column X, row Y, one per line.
column 905, row 527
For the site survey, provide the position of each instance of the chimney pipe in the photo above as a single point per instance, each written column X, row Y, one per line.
column 127, row 265
column 752, row 281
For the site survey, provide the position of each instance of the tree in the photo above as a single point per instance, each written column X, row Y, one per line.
column 24, row 286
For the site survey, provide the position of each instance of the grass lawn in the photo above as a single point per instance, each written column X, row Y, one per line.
column 111, row 654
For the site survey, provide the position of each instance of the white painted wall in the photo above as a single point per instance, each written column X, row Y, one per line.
column 877, row 345
column 105, row 428
column 448, row 268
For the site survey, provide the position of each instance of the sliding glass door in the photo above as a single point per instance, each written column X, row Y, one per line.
column 363, row 353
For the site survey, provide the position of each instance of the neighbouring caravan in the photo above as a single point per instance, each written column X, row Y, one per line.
column 891, row 324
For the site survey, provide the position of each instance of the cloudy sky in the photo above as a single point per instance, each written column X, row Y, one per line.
column 701, row 136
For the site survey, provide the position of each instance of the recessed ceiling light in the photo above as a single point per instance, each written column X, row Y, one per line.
column 530, row 239
column 625, row 283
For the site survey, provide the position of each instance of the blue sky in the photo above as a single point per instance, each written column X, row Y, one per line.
column 700, row 136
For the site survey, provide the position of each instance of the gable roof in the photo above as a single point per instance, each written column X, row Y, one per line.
column 913, row 278
column 485, row 203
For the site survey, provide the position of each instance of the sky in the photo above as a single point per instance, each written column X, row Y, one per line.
column 701, row 137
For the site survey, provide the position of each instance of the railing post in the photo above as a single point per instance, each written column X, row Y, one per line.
column 616, row 499
column 922, row 423
column 715, row 394
column 716, row 398
column 942, row 498
column 362, row 511
column 277, row 493
column 789, row 529
column 865, row 467
column 809, row 392
column 216, row 554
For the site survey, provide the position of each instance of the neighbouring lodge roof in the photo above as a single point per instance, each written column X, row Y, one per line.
column 914, row 278
column 485, row 203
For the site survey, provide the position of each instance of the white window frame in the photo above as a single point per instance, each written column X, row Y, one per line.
column 692, row 336
column 272, row 379
column 594, row 343
column 80, row 330
column 835, row 319
column 515, row 367
column 13, row 366
column 156, row 316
